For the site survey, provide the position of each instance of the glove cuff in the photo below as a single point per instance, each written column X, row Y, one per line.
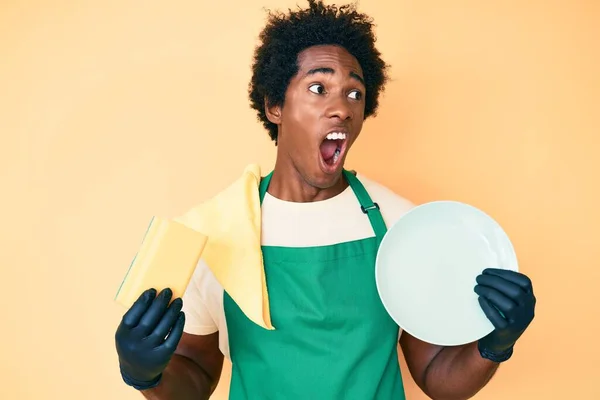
column 140, row 385
column 495, row 356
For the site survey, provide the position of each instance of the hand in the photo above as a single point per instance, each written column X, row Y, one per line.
column 140, row 338
column 507, row 299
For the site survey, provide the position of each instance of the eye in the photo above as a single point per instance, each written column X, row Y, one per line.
column 355, row 95
column 317, row 88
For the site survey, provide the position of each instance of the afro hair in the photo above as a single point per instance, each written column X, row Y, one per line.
column 275, row 60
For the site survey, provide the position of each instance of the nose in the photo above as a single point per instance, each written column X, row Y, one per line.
column 339, row 108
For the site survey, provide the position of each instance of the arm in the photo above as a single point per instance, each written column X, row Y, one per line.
column 193, row 372
column 457, row 373
column 446, row 373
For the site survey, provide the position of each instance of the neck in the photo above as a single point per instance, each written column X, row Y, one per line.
column 288, row 184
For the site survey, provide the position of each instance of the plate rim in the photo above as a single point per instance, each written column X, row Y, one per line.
column 512, row 250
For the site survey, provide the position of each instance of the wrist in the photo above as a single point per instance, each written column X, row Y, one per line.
column 495, row 355
column 140, row 384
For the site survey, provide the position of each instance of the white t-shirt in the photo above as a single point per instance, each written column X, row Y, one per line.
column 339, row 219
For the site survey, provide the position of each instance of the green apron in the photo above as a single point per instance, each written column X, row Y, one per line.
column 333, row 339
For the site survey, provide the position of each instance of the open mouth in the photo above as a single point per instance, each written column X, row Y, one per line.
column 332, row 149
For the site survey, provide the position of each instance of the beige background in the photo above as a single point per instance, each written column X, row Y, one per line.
column 114, row 111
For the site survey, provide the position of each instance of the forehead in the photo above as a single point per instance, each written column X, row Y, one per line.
column 328, row 56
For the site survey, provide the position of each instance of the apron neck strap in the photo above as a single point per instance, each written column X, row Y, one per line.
column 366, row 203
column 264, row 185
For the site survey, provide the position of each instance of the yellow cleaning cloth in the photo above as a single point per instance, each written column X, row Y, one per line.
column 232, row 222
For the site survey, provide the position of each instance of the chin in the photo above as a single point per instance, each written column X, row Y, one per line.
column 325, row 183
column 327, row 177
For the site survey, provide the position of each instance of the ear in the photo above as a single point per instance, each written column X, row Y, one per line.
column 273, row 113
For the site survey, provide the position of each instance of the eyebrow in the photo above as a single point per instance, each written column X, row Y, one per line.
column 327, row 70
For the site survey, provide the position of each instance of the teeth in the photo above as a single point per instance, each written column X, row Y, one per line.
column 336, row 155
column 336, row 136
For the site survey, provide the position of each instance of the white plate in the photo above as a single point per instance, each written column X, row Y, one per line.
column 426, row 268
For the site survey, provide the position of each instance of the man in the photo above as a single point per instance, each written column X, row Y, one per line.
column 316, row 77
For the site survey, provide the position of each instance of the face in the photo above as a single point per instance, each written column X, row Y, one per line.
column 322, row 115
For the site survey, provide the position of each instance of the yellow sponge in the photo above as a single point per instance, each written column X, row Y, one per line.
column 166, row 258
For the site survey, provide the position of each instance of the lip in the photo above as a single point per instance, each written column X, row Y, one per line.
column 333, row 169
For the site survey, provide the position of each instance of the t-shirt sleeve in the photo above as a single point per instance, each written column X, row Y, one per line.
column 393, row 206
column 198, row 316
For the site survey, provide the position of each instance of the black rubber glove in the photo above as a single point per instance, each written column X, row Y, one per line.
column 507, row 299
column 147, row 338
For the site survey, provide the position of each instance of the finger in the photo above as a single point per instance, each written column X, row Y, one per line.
column 155, row 312
column 492, row 314
column 507, row 288
column 166, row 323
column 174, row 337
column 512, row 276
column 136, row 311
column 497, row 299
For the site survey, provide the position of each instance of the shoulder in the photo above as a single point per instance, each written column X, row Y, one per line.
column 392, row 205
